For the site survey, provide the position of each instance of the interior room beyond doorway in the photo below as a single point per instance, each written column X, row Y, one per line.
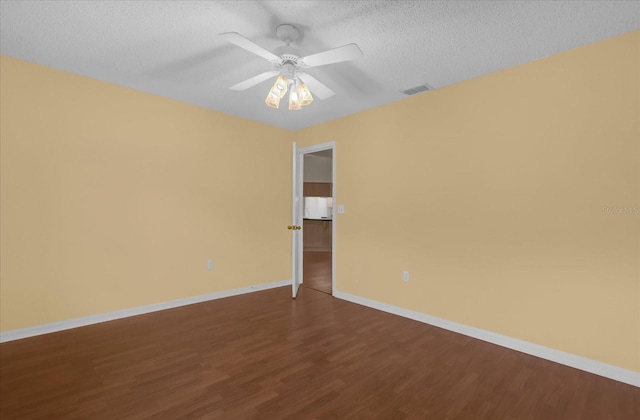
column 317, row 221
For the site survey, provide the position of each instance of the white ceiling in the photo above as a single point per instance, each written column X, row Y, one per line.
column 172, row 48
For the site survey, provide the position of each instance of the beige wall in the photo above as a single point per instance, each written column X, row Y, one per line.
column 493, row 191
column 113, row 198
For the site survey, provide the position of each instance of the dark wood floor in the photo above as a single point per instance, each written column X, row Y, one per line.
column 266, row 356
column 316, row 268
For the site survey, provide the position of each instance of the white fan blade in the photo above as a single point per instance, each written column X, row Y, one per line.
column 242, row 42
column 255, row 80
column 336, row 55
column 316, row 87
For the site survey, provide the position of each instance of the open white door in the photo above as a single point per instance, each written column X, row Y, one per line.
column 296, row 223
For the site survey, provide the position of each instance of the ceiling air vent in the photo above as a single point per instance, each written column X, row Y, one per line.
column 418, row 89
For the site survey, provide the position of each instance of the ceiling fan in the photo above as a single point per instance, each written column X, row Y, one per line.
column 289, row 67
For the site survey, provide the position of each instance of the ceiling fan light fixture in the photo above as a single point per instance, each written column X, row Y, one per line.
column 299, row 96
column 280, row 86
column 304, row 95
column 277, row 92
column 272, row 100
column 294, row 100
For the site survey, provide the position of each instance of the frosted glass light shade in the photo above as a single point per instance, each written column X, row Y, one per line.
column 304, row 95
column 277, row 92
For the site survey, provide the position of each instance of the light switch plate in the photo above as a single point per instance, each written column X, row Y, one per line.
column 340, row 209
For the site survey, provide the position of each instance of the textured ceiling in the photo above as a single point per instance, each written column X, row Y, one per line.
column 172, row 48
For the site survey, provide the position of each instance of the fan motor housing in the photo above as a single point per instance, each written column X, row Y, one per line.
column 288, row 69
column 288, row 58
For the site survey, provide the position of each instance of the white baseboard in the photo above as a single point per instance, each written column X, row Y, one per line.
column 608, row 371
column 124, row 313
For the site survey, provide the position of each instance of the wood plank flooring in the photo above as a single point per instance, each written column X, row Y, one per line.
column 266, row 356
column 316, row 269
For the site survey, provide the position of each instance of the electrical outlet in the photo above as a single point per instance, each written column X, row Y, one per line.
column 405, row 276
column 210, row 265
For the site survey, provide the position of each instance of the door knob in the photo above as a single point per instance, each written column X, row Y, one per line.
column 289, row 227
column 297, row 227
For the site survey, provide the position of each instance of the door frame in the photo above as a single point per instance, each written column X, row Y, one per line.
column 298, row 183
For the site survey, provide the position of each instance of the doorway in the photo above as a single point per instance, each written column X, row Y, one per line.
column 314, row 205
column 317, row 221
